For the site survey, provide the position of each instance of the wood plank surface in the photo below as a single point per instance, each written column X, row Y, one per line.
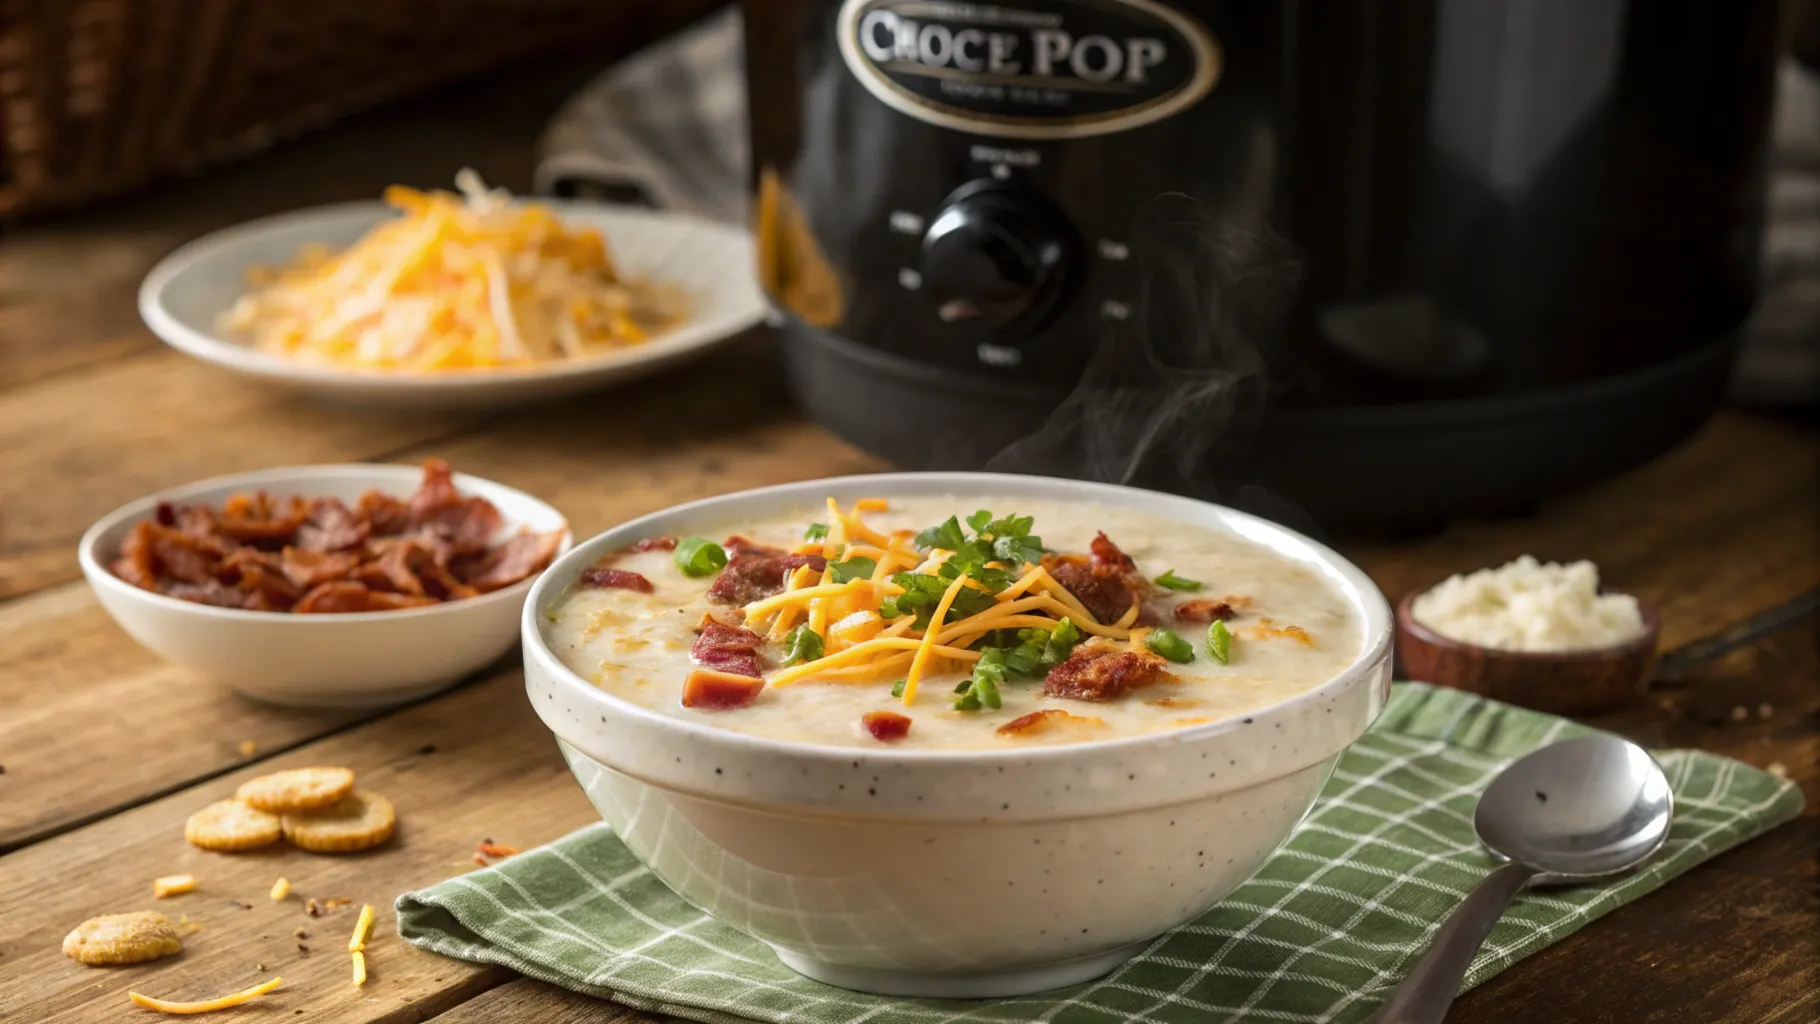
column 526, row 999
column 473, row 765
column 78, row 445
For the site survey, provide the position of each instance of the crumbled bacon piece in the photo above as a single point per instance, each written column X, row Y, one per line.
column 756, row 573
column 1205, row 609
column 620, row 579
column 886, row 725
column 1107, row 558
column 1101, row 671
column 707, row 688
column 1042, row 721
column 510, row 562
column 489, row 848
column 316, row 555
column 730, row 649
column 654, row 544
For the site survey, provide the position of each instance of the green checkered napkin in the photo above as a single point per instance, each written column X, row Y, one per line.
column 1321, row 933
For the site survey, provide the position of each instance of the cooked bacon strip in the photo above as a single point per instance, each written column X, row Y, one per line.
column 755, row 573
column 1100, row 671
column 620, row 579
column 1105, row 588
column 1107, row 558
column 730, row 649
column 519, row 558
column 886, row 725
column 707, row 688
column 1044, row 720
column 1205, row 609
column 332, row 526
column 309, row 567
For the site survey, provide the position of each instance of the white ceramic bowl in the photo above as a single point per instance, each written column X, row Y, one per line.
column 364, row 659
column 955, row 873
column 185, row 294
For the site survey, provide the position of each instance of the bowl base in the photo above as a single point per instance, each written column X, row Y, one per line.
column 1018, row 981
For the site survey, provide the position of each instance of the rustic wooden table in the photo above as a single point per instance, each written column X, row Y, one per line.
column 105, row 750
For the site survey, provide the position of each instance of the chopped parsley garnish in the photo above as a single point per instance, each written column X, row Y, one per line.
column 888, row 610
column 1060, row 643
column 981, row 691
column 857, row 567
column 897, row 688
column 816, row 531
column 1005, row 540
column 1174, row 582
column 699, row 556
column 1169, row 645
column 922, row 592
column 802, row 644
column 1219, row 642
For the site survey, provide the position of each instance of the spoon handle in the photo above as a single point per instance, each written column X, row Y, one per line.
column 1425, row 995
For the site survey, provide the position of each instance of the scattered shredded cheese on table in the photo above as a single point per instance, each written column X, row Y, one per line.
column 207, row 1005
column 363, row 927
column 281, row 888
column 173, row 885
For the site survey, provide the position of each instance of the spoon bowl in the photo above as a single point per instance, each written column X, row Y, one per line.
column 1579, row 809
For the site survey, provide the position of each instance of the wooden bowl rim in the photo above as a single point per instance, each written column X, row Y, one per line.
column 1643, row 643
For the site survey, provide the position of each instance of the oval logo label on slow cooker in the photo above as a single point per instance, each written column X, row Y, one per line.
column 1050, row 69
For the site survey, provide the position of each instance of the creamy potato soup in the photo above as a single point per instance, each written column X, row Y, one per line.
column 1032, row 623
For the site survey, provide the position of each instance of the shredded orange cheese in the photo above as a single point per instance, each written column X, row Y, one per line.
column 360, row 968
column 281, row 888
column 363, row 927
column 207, row 1005
column 923, row 649
column 457, row 282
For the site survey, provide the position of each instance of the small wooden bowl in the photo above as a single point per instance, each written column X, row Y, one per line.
column 1559, row 682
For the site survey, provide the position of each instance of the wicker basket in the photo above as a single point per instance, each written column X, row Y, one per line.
column 97, row 96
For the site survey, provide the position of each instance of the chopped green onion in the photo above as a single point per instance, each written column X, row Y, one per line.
column 1174, row 582
column 1061, row 642
column 1219, row 642
column 1167, row 644
column 981, row 690
column 816, row 531
column 699, row 556
column 852, row 569
column 802, row 644
column 897, row 688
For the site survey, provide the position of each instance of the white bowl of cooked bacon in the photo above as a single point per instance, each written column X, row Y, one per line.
column 954, row 735
column 326, row 586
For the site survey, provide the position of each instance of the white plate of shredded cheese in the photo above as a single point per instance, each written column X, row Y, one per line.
column 360, row 303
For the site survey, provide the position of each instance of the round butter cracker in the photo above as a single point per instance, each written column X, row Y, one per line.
column 360, row 821
column 297, row 789
column 123, row 939
column 232, row 825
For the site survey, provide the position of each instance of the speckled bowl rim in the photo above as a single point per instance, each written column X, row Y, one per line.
column 1378, row 623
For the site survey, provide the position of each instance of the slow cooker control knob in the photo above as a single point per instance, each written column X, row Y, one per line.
column 995, row 257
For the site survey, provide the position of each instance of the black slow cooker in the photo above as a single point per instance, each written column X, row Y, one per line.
column 1380, row 260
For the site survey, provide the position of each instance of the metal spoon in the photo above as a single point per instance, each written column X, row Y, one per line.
column 1577, row 810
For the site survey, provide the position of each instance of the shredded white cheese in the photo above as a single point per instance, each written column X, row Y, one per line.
column 1530, row 606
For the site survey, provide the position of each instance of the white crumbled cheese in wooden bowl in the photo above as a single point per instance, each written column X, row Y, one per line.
column 1530, row 606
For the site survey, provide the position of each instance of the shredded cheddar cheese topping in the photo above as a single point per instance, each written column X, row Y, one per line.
column 867, row 637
